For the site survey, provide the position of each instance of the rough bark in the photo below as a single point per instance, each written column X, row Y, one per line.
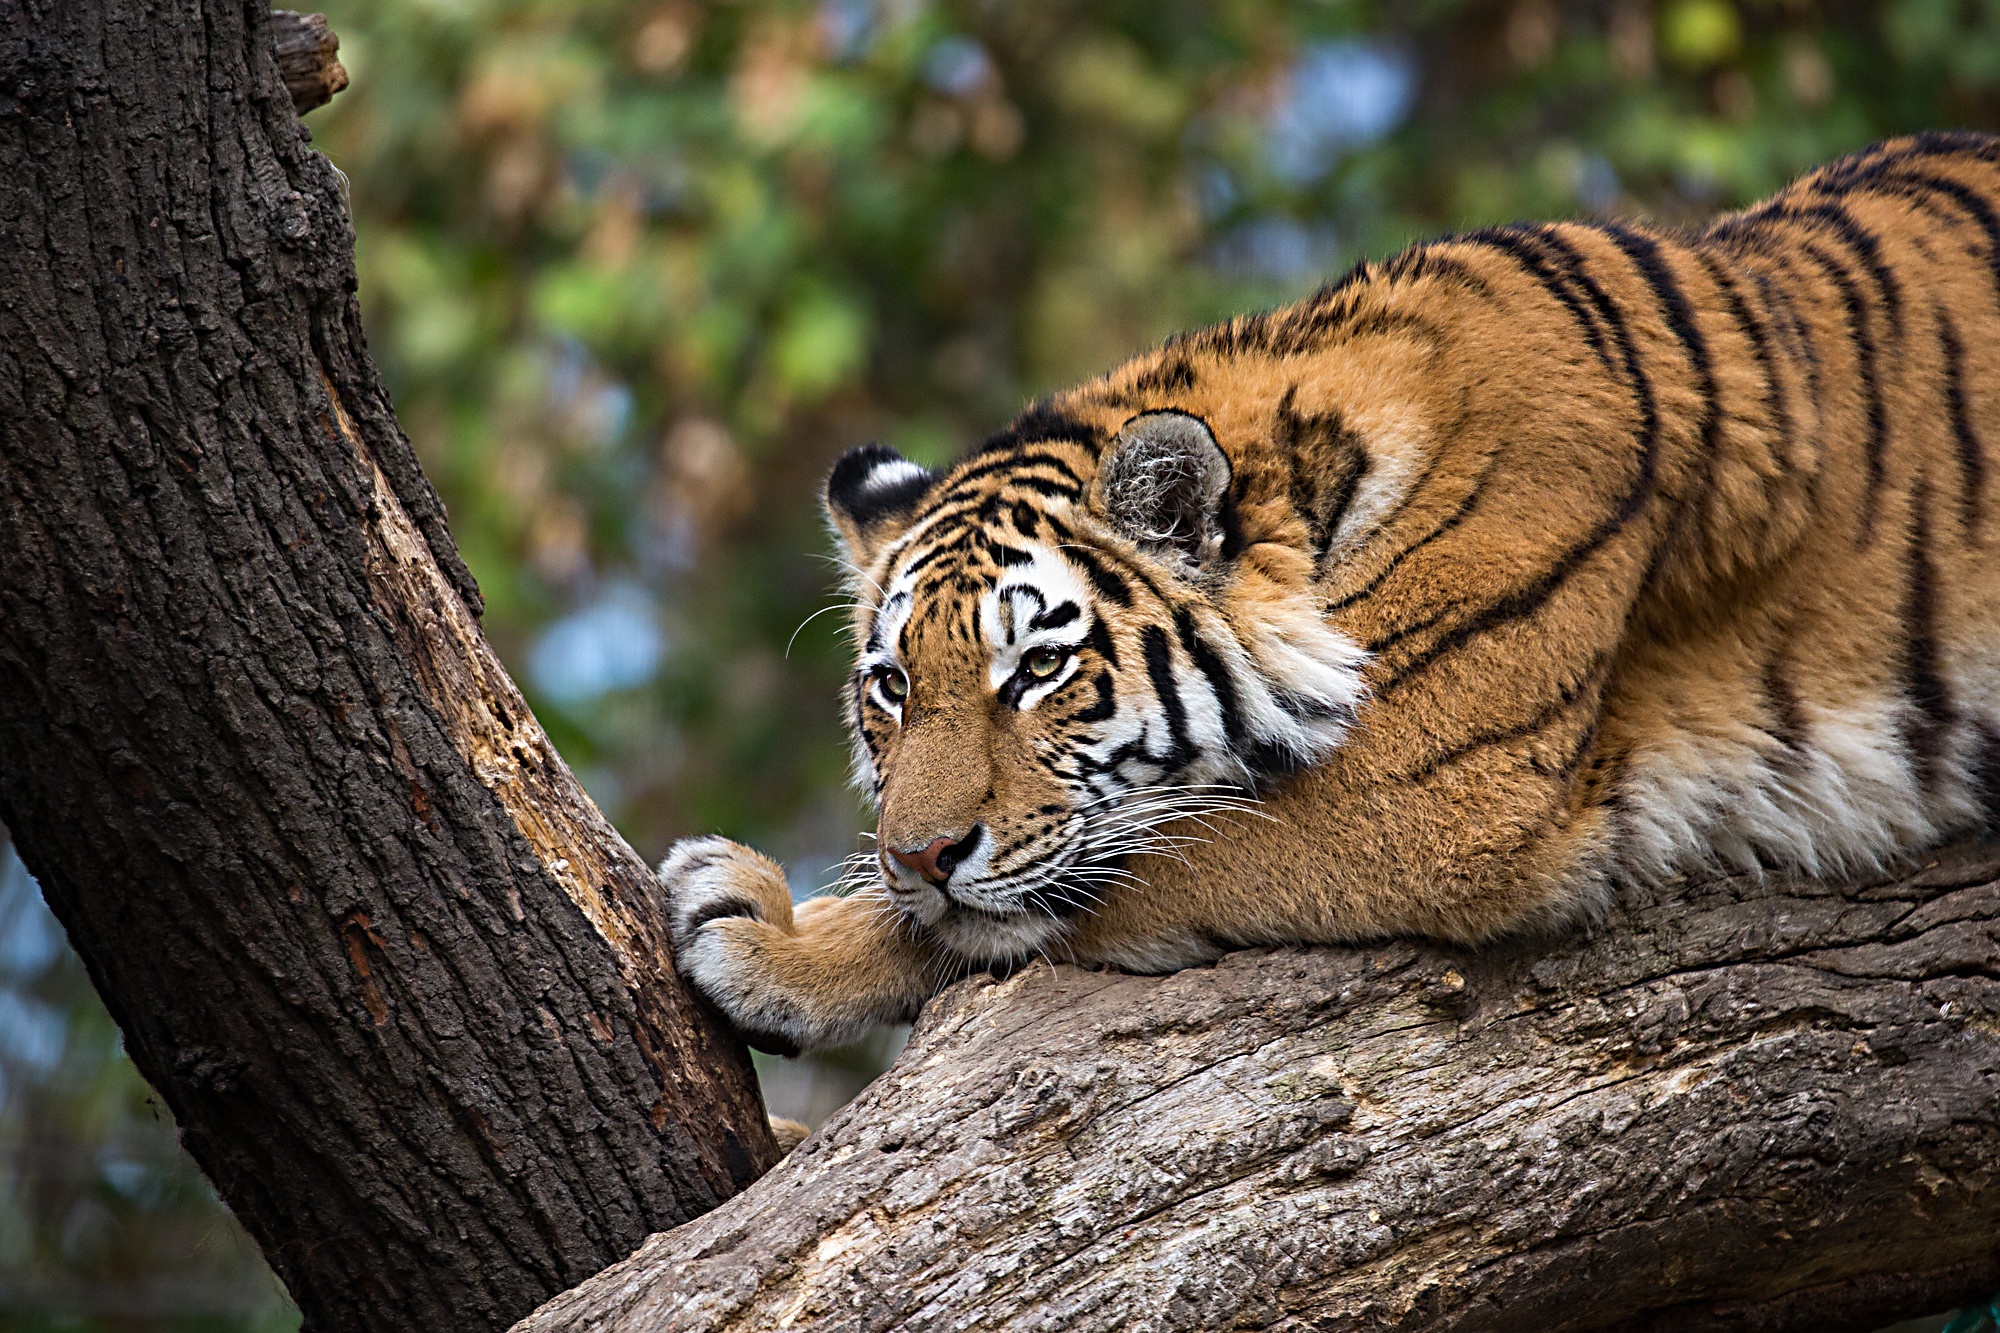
column 1734, row 1106
column 399, row 982
column 308, row 54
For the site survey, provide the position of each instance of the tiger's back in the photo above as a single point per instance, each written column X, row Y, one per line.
column 1526, row 562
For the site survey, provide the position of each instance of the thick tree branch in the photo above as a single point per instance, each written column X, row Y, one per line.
column 401, row 985
column 1736, row 1106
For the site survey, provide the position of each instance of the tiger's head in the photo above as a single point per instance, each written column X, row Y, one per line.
column 1066, row 641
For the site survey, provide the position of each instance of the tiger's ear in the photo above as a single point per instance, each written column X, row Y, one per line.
column 1162, row 483
column 870, row 495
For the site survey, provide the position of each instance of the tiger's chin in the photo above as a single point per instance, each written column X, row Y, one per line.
column 980, row 935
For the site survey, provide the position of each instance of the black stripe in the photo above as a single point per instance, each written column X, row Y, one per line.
column 1986, row 774
column 1383, row 322
column 1518, row 246
column 1443, row 527
column 1926, row 733
column 1525, row 601
column 1216, row 672
column 1786, row 322
column 1430, row 261
column 717, row 910
column 974, row 469
column 1160, row 669
column 1346, row 482
column 1040, row 422
column 1174, row 374
column 1134, row 571
column 1007, row 557
column 1021, row 591
column 1044, row 486
column 1245, row 333
column 888, row 608
column 1971, row 457
column 1309, row 326
column 959, row 541
column 1954, row 143
column 1920, row 184
column 1109, row 586
column 1776, row 401
column 1858, row 328
column 1056, row 617
column 1859, row 316
column 1646, row 256
column 1652, row 265
column 1864, row 245
column 1327, row 464
column 1788, row 725
column 1103, row 707
column 1100, row 643
column 946, row 517
column 1417, row 491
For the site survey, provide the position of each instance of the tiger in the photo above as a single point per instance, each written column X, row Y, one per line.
column 1493, row 578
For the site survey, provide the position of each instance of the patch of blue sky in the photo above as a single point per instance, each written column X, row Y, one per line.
column 31, row 1032
column 577, row 386
column 847, row 28
column 613, row 643
column 1340, row 95
column 1276, row 249
column 30, row 937
column 956, row 65
column 1596, row 183
column 128, row 1176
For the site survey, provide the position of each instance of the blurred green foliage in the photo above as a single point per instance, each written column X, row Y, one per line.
column 638, row 271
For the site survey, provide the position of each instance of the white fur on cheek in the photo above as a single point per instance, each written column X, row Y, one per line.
column 884, row 629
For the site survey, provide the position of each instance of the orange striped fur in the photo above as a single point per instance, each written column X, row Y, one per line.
column 1525, row 564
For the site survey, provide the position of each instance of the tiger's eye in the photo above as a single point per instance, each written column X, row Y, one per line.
column 1043, row 662
column 894, row 683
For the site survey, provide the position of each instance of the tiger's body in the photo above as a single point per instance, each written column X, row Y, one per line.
column 1523, row 564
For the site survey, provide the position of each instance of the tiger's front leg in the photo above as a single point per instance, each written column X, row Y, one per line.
column 791, row 981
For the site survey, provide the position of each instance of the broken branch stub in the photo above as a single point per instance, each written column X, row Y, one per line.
column 308, row 52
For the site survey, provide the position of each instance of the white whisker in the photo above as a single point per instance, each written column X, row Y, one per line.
column 837, row 606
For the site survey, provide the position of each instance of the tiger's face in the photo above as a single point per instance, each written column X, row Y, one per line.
column 1065, row 646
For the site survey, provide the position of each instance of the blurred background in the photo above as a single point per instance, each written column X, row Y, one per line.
column 637, row 272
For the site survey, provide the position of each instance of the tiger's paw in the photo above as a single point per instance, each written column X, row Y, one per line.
column 714, row 879
column 730, row 911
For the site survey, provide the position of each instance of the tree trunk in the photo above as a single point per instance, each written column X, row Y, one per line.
column 1736, row 1106
column 402, row 986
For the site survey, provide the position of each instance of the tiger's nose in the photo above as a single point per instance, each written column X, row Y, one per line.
column 936, row 862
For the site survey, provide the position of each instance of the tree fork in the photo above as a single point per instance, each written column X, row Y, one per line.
column 402, row 986
column 1736, row 1106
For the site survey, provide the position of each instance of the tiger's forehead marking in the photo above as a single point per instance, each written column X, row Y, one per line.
column 1018, row 489
column 1000, row 593
column 984, row 561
